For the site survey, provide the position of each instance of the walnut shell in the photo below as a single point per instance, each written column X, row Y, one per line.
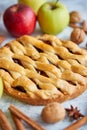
column 75, row 17
column 77, row 35
column 84, row 26
column 53, row 113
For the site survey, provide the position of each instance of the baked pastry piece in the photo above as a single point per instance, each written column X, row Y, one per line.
column 43, row 69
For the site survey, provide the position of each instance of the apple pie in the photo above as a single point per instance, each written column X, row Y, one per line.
column 42, row 69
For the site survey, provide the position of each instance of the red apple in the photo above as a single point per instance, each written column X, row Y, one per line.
column 19, row 20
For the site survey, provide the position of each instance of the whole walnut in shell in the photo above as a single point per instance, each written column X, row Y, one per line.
column 53, row 113
column 75, row 17
column 77, row 35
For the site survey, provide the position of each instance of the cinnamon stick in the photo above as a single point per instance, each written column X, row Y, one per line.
column 4, row 123
column 77, row 124
column 22, row 116
column 17, row 122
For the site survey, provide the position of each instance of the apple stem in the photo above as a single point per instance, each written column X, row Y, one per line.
column 54, row 6
column 57, row 1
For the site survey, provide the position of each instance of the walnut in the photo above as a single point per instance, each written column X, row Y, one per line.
column 75, row 17
column 84, row 26
column 53, row 112
column 77, row 35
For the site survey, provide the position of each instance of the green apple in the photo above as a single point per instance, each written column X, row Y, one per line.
column 1, row 87
column 35, row 4
column 53, row 17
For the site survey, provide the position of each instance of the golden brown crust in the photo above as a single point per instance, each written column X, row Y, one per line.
column 43, row 69
column 25, row 97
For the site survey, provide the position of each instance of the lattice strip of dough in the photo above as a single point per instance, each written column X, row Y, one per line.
column 31, row 88
column 38, row 65
column 6, row 76
column 27, row 84
column 48, row 67
column 49, row 56
column 68, row 44
column 37, row 43
column 80, row 54
column 6, row 53
column 74, row 47
column 73, row 77
column 11, row 66
column 78, row 68
column 61, row 51
column 53, row 40
column 69, row 88
column 17, row 48
column 32, row 52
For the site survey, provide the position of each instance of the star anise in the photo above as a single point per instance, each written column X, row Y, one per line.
column 73, row 112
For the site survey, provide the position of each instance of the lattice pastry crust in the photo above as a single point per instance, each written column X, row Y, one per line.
column 43, row 69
